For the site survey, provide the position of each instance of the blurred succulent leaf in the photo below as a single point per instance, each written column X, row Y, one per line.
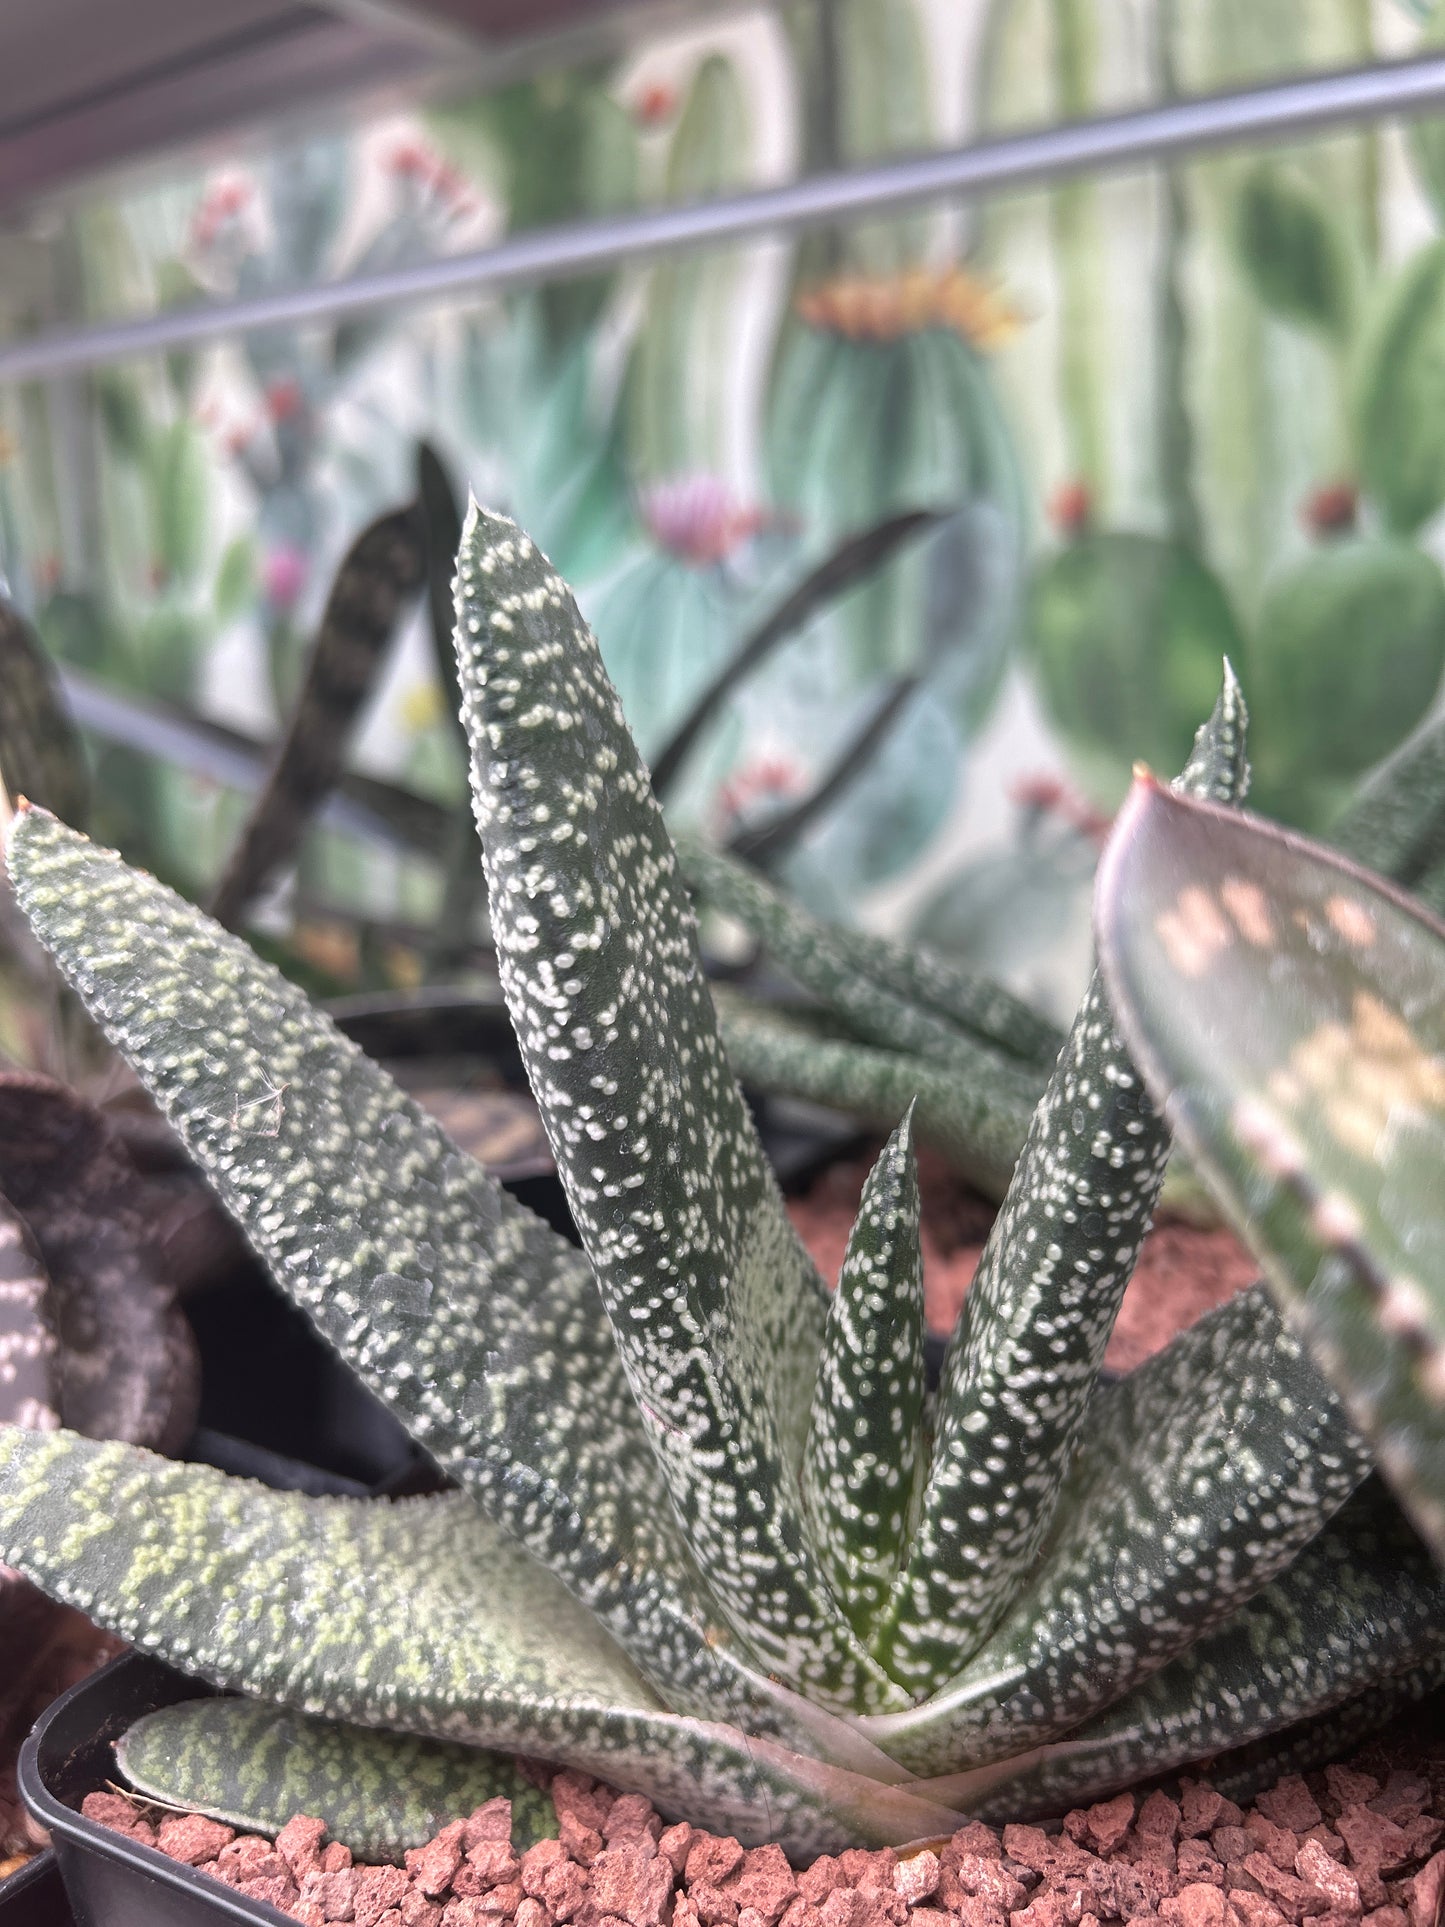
column 255, row 1765
column 892, row 994
column 126, row 1364
column 1283, row 1006
column 380, row 572
column 41, row 756
column 855, row 558
column 1401, row 395
column 1292, row 249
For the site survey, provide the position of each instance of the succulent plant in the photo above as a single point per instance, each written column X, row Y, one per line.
column 712, row 1541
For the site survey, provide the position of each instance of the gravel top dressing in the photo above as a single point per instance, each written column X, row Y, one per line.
column 1353, row 1844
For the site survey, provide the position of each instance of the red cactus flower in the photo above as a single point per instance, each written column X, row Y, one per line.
column 1331, row 510
column 767, row 779
column 655, row 105
column 1071, row 508
column 1048, row 795
column 284, row 399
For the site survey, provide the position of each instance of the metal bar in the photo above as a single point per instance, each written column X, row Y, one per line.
column 1283, row 109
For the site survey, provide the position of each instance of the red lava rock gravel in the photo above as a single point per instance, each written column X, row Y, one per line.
column 1182, row 1273
column 1348, row 1847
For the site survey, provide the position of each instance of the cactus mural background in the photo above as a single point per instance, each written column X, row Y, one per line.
column 1160, row 416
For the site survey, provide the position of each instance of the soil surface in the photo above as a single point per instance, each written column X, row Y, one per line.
column 1353, row 1846
column 1183, row 1271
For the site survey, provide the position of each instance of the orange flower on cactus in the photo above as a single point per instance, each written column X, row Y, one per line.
column 887, row 307
column 1071, row 508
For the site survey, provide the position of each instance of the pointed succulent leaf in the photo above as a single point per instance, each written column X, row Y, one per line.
column 1164, row 1527
column 1396, row 825
column 977, row 1121
column 254, row 1765
column 418, row 1616
column 380, row 572
column 476, row 1323
column 1025, row 1355
column 899, row 997
column 1286, row 1008
column 1364, row 1600
column 865, row 1437
column 717, row 1309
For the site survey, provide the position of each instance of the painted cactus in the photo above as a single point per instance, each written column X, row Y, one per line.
column 1284, row 1007
column 670, row 1563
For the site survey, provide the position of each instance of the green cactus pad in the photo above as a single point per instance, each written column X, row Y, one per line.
column 1320, row 701
column 1293, row 250
column 1285, row 1008
column 1401, row 396
column 865, row 1438
column 717, row 1309
column 1127, row 632
column 255, row 1766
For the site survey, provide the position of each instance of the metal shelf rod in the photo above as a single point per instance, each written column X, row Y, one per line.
column 1274, row 112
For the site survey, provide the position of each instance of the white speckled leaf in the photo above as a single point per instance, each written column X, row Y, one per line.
column 717, row 1309
column 1286, row 1008
column 1165, row 1525
column 420, row 1616
column 1363, row 1601
column 1026, row 1353
column 255, row 1766
column 865, row 1439
column 478, row 1325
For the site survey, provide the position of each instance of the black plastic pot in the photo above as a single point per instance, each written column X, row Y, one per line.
column 112, row 1881
column 35, row 1895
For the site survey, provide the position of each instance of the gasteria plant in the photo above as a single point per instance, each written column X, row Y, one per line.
column 712, row 1540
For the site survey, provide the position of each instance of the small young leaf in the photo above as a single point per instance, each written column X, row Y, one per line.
column 1286, row 1009
column 255, row 1765
column 978, row 1120
column 865, row 1437
column 716, row 1307
column 1023, row 1360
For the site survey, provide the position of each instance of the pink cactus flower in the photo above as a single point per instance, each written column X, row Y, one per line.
column 698, row 519
column 766, row 779
column 283, row 576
